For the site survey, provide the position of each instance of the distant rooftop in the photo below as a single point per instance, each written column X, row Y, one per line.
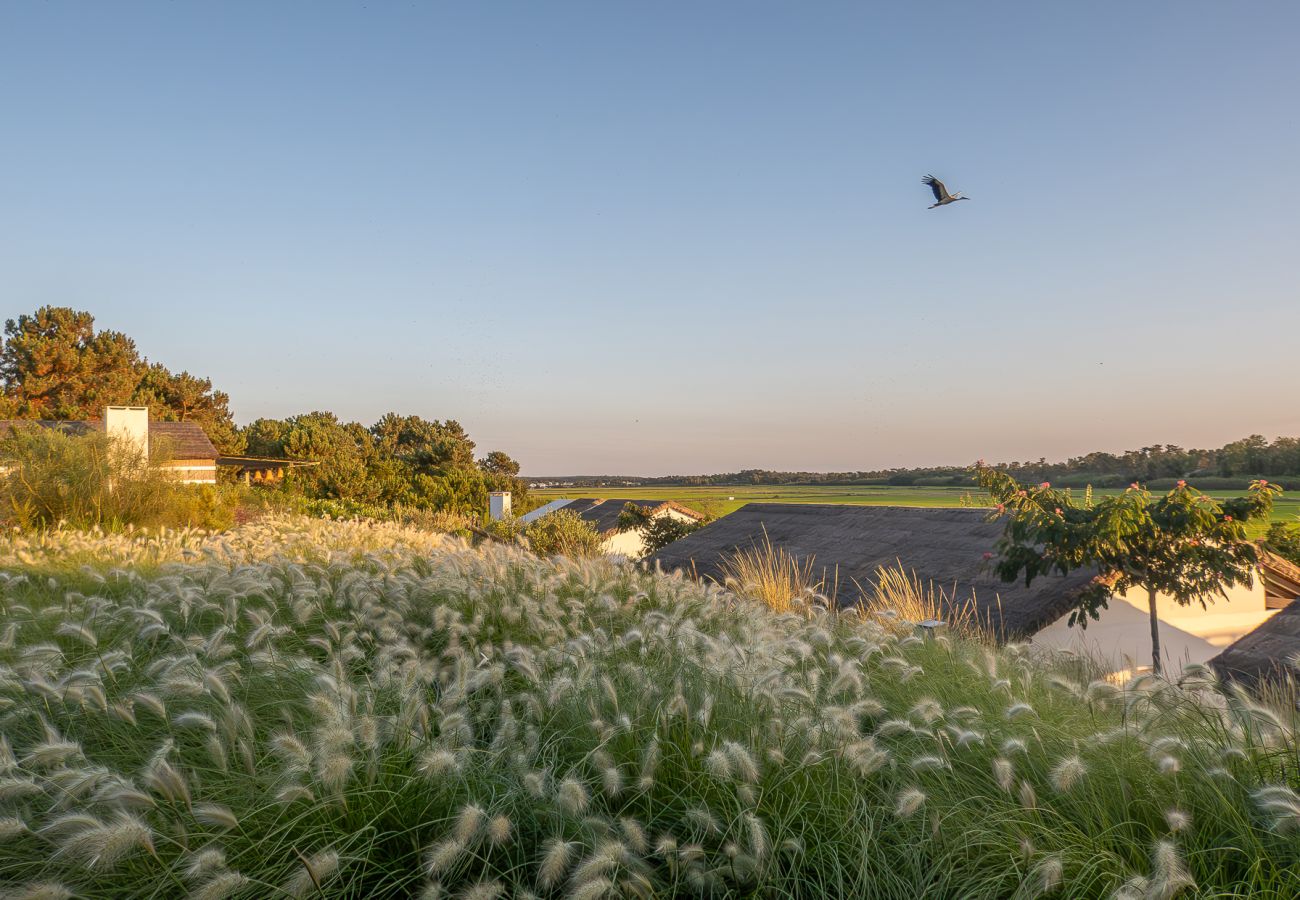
column 848, row 544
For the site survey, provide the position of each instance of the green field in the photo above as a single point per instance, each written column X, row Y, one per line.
column 720, row 500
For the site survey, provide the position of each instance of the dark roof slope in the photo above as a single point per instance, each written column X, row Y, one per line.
column 603, row 513
column 182, row 440
column 943, row 547
column 1270, row 650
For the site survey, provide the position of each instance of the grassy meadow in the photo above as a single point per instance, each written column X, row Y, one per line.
column 720, row 500
column 317, row 709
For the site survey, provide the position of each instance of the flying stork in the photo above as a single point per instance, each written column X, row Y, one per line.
column 941, row 195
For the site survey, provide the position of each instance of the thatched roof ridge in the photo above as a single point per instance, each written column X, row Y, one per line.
column 943, row 547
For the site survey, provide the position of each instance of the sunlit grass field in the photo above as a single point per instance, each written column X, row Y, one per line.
column 719, row 501
column 307, row 709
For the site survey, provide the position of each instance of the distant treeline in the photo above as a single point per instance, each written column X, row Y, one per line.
column 1230, row 466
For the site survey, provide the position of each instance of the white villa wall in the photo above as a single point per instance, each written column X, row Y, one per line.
column 630, row 544
column 624, row 543
column 1121, row 638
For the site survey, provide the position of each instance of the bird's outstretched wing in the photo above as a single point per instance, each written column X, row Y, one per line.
column 940, row 192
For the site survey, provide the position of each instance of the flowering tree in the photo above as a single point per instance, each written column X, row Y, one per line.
column 1183, row 544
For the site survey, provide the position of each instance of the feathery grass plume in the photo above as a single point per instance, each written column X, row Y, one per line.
column 69, row 823
column 498, row 831
column 666, row 846
column 557, row 854
column 593, row 890
column 572, row 796
column 315, row 872
column 17, row 788
column 443, row 855
column 103, row 845
column 163, row 779
column 1016, row 710
column 908, row 802
column 194, row 719
column 1067, row 773
column 469, row 823
column 864, row 757
column 1014, row 745
column 718, row 764
column 1233, row 754
column 927, row 710
column 535, row 784
column 1169, row 875
column 1135, row 888
column 483, row 890
column 39, row 890
column 1028, row 796
column 1280, row 805
column 334, row 770
column 436, row 763
column 928, row 763
column 894, row 727
column 77, row 632
column 220, row 886
column 151, row 702
column 1004, row 773
column 743, row 763
column 292, row 793
column 607, row 857
column 12, row 826
column 759, row 842
column 611, row 780
column 1177, row 820
column 1168, row 765
column 204, row 862
column 1047, row 877
column 51, row 753
column 634, row 835
column 703, row 820
column 216, row 815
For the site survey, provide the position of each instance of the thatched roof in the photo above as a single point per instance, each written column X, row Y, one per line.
column 1270, row 650
column 1281, row 579
column 943, row 547
column 182, row 440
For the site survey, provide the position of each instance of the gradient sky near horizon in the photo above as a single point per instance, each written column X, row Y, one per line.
column 666, row 237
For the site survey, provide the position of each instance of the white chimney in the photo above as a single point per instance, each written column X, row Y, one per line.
column 499, row 505
column 130, row 425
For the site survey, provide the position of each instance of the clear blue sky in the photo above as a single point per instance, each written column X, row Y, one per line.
column 679, row 237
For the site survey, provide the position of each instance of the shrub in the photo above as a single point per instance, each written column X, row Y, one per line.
column 52, row 478
column 563, row 533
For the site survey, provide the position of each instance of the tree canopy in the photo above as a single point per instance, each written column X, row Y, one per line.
column 55, row 365
column 1183, row 544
